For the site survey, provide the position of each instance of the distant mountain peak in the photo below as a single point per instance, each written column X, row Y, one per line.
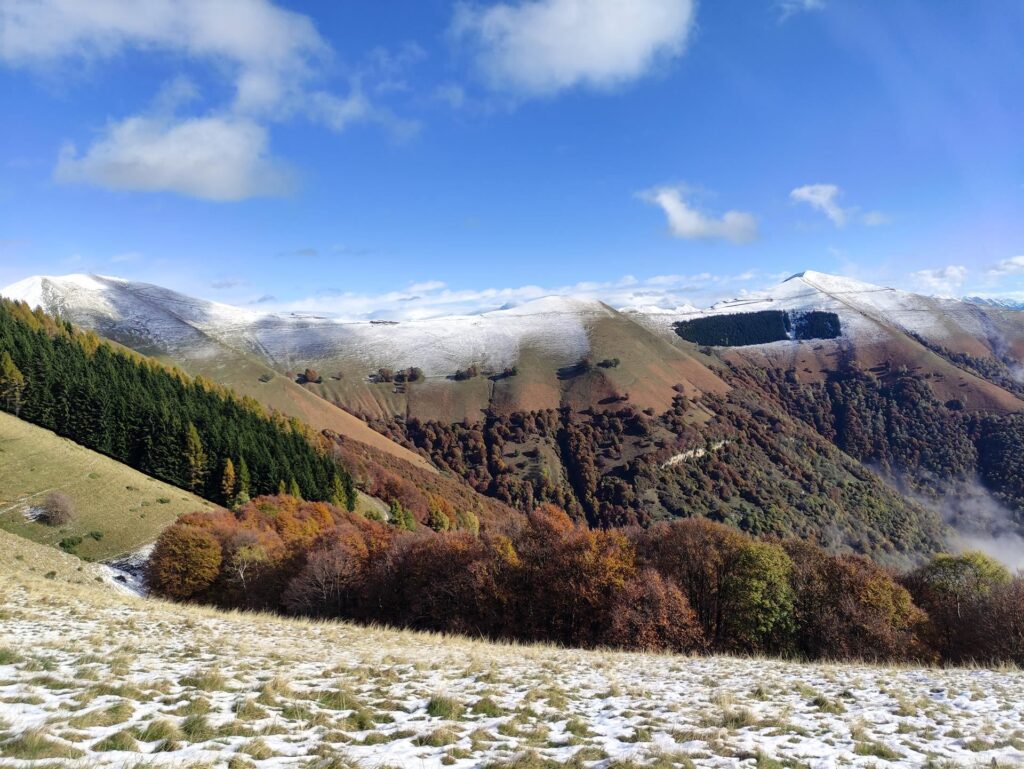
column 1002, row 302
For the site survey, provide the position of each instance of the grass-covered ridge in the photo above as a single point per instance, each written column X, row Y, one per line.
column 91, row 676
column 116, row 509
column 185, row 431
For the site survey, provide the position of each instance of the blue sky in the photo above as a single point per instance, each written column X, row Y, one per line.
column 413, row 158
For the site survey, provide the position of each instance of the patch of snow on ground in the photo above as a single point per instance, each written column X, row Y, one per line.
column 82, row 663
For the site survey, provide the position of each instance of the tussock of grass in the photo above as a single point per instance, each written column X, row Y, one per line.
column 247, row 709
column 338, row 699
column 162, row 729
column 444, row 707
column 112, row 715
column 36, row 745
column 197, row 729
column 271, row 690
column 485, row 706
column 122, row 740
column 825, row 705
column 257, row 749
column 207, row 681
column 876, row 749
column 360, row 720
column 438, row 738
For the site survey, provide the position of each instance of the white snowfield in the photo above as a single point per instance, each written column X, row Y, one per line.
column 865, row 310
column 170, row 321
column 93, row 677
column 556, row 326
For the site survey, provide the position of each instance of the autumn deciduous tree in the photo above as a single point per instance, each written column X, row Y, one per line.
column 12, row 384
column 651, row 614
column 947, row 586
column 758, row 599
column 440, row 513
column 332, row 574
column 185, row 561
column 993, row 630
column 699, row 556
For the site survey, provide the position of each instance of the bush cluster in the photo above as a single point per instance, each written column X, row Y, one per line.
column 690, row 585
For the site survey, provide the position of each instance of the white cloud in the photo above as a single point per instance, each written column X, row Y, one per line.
column 825, row 198
column 944, row 280
column 273, row 57
column 822, row 197
column 215, row 158
column 540, row 47
column 270, row 50
column 790, row 7
column 1012, row 266
column 687, row 222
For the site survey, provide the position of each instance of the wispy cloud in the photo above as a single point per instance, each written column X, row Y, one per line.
column 946, row 281
column 226, row 283
column 687, row 222
column 824, row 198
column 1012, row 266
column 541, row 47
column 788, row 8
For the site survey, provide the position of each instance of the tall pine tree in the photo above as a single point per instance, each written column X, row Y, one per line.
column 228, row 483
column 195, row 459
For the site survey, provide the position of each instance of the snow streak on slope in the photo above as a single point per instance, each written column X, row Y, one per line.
column 555, row 326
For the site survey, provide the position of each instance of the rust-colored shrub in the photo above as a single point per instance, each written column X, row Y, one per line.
column 651, row 614
column 185, row 561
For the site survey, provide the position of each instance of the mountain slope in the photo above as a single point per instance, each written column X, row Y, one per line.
column 883, row 329
column 615, row 417
column 190, row 333
column 124, row 507
column 544, row 339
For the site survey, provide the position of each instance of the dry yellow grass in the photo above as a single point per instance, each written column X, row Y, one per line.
column 126, row 508
column 192, row 685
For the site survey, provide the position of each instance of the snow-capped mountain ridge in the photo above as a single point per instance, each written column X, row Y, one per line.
column 556, row 325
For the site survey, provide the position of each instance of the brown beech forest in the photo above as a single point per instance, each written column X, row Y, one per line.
column 689, row 585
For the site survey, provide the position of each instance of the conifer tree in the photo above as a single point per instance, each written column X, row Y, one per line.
column 294, row 490
column 12, row 383
column 228, row 482
column 244, row 482
column 195, row 458
column 282, row 489
column 343, row 494
column 400, row 517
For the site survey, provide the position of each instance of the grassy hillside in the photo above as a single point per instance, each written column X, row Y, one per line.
column 93, row 675
column 127, row 508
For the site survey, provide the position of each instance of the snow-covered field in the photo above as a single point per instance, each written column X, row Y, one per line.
column 96, row 677
column 866, row 311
